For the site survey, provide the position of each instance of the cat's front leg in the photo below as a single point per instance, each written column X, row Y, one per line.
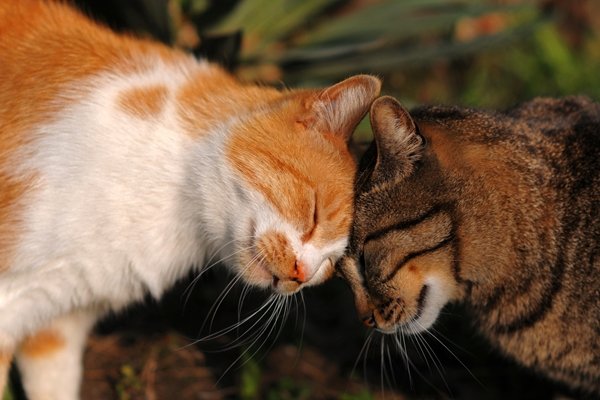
column 50, row 361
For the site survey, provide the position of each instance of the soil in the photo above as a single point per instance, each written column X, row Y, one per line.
column 164, row 350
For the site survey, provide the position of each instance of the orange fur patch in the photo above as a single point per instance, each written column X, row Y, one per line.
column 5, row 358
column 275, row 249
column 206, row 100
column 144, row 102
column 10, row 194
column 42, row 343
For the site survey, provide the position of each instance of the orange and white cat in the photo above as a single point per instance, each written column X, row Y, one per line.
column 123, row 164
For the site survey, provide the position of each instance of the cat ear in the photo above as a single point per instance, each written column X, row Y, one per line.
column 395, row 132
column 339, row 108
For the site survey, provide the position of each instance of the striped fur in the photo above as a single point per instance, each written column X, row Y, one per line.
column 125, row 164
column 497, row 210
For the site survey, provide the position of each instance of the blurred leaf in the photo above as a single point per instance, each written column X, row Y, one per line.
column 394, row 18
column 555, row 53
column 130, row 385
column 382, row 60
column 542, row 64
column 7, row 394
column 364, row 395
column 375, row 38
column 195, row 6
column 265, row 22
column 250, row 379
column 288, row 389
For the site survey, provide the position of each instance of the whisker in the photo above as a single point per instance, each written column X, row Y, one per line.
column 391, row 366
column 415, row 339
column 434, row 360
column 243, row 295
column 433, row 335
column 412, row 364
column 213, row 310
column 407, row 360
column 268, row 304
column 382, row 365
column 304, row 314
column 270, row 322
column 188, row 290
column 362, row 351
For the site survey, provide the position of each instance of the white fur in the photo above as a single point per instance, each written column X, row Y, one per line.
column 122, row 207
column 437, row 298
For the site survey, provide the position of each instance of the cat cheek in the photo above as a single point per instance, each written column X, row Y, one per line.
column 324, row 272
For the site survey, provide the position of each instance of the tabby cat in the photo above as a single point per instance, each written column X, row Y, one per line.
column 124, row 163
column 500, row 211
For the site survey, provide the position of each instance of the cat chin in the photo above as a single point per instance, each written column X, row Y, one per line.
column 436, row 297
column 412, row 327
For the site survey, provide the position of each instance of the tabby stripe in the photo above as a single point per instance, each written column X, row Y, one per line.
column 407, row 224
column 498, row 293
column 421, row 302
column 456, row 256
column 558, row 357
column 410, row 256
column 557, row 272
column 526, row 321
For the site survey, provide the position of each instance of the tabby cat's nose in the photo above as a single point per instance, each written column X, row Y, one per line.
column 369, row 321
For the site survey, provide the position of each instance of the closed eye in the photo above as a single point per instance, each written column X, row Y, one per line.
column 315, row 219
column 410, row 256
column 315, row 212
column 413, row 238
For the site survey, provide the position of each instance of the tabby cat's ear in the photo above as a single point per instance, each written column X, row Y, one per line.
column 339, row 108
column 398, row 142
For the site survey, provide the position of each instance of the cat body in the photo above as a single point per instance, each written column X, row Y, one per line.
column 124, row 164
column 500, row 211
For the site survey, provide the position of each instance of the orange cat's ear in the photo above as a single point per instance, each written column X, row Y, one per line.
column 395, row 132
column 339, row 108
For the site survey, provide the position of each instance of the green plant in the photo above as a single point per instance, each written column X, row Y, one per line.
column 288, row 389
column 363, row 395
column 250, row 379
column 7, row 394
column 130, row 385
column 345, row 37
column 542, row 65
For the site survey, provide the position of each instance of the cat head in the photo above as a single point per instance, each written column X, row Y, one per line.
column 401, row 257
column 295, row 184
column 457, row 204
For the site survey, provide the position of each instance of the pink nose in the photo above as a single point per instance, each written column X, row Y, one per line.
column 299, row 272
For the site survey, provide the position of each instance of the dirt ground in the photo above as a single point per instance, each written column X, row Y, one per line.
column 151, row 352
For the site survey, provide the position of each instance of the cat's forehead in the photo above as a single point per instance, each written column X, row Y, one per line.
column 303, row 176
column 381, row 204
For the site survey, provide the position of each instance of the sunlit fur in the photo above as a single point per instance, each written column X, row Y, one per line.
column 124, row 164
column 496, row 210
